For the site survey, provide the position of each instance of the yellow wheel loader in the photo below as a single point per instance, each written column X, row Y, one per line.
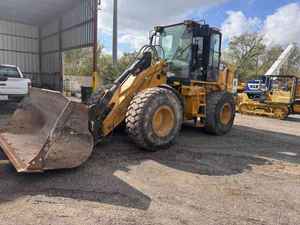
column 277, row 97
column 175, row 78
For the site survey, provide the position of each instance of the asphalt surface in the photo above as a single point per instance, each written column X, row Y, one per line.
column 250, row 176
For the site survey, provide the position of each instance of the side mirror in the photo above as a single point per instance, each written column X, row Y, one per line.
column 151, row 37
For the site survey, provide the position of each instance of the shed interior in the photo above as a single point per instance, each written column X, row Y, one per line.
column 35, row 33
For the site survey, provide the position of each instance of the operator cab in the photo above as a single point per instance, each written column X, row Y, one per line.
column 192, row 50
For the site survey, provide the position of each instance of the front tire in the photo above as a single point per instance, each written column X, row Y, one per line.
column 220, row 113
column 154, row 119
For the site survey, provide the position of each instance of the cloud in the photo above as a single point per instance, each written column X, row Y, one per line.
column 137, row 17
column 133, row 40
column 280, row 28
column 283, row 27
column 237, row 24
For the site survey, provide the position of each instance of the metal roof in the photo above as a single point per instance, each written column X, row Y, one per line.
column 34, row 12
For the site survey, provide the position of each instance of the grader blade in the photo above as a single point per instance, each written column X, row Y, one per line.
column 47, row 132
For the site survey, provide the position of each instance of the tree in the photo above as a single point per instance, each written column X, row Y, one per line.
column 244, row 51
column 293, row 65
column 109, row 72
column 78, row 62
column 268, row 58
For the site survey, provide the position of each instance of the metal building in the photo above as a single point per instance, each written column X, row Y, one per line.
column 35, row 33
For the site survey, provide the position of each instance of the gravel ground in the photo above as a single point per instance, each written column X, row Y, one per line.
column 250, row 176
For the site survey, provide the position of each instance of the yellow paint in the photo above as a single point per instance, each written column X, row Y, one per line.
column 298, row 91
column 297, row 108
column 163, row 121
column 276, row 105
column 226, row 114
column 226, row 79
column 152, row 77
column 96, row 81
column 194, row 96
column 279, row 96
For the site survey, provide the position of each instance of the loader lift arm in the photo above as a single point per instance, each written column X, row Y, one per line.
column 110, row 110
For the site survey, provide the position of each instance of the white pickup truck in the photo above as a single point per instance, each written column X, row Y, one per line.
column 13, row 86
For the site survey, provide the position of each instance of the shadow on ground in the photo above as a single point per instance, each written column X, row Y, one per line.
column 195, row 152
column 293, row 119
column 7, row 108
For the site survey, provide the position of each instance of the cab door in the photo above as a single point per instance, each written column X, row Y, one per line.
column 214, row 57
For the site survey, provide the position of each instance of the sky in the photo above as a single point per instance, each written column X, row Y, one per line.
column 277, row 21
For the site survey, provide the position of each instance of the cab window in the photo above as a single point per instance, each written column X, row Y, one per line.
column 215, row 51
column 176, row 42
column 214, row 57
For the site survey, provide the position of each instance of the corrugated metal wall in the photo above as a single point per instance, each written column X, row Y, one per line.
column 50, row 56
column 77, row 26
column 19, row 45
column 72, row 30
column 38, row 50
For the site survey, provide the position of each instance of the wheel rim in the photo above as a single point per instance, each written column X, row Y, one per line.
column 226, row 114
column 163, row 121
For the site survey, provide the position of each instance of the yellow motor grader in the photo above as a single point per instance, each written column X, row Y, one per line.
column 277, row 96
column 175, row 78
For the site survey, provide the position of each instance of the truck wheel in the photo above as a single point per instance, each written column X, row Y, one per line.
column 154, row 119
column 220, row 113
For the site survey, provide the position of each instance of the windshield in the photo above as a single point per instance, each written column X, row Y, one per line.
column 176, row 42
column 9, row 72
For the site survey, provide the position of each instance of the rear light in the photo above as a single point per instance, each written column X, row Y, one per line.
column 29, row 85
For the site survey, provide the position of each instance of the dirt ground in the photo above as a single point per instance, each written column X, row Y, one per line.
column 250, row 176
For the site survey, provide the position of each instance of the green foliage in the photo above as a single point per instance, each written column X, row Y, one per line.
column 293, row 65
column 244, row 52
column 251, row 57
column 79, row 63
column 247, row 53
column 268, row 58
column 109, row 72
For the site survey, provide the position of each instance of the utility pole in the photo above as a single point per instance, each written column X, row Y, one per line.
column 115, row 33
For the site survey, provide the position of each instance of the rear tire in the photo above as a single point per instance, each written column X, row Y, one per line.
column 220, row 113
column 154, row 119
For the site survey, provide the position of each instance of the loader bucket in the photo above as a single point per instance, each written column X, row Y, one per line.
column 47, row 132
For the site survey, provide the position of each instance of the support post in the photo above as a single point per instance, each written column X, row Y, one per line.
column 39, row 80
column 95, row 75
column 60, row 85
column 115, row 33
